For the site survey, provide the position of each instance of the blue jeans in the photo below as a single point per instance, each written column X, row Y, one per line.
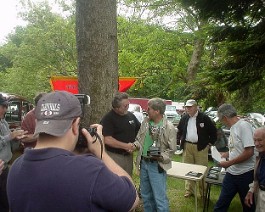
column 153, row 188
column 232, row 185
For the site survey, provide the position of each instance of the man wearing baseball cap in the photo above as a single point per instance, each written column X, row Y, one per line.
column 6, row 138
column 195, row 132
column 51, row 178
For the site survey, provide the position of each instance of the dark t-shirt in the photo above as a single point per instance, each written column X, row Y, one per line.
column 55, row 180
column 123, row 128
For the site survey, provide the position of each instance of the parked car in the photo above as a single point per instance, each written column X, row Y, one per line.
column 137, row 110
column 258, row 116
column 172, row 114
column 17, row 109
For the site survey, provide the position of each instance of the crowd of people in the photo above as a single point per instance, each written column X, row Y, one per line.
column 50, row 176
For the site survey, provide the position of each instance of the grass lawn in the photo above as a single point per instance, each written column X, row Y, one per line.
column 177, row 201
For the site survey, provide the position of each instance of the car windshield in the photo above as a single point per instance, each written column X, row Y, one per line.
column 170, row 108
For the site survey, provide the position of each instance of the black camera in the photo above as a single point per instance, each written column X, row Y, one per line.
column 82, row 142
column 153, row 151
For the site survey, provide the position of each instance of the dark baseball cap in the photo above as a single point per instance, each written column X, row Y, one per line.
column 3, row 100
column 55, row 113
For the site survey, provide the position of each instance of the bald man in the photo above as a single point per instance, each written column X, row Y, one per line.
column 258, row 186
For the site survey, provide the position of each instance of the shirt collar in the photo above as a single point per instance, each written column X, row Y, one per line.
column 195, row 115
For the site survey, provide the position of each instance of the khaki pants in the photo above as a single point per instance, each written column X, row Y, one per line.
column 193, row 156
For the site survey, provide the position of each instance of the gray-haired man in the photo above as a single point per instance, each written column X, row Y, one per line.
column 240, row 159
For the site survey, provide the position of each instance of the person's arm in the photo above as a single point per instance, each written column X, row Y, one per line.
column 112, row 142
column 115, row 168
column 14, row 135
column 245, row 155
column 171, row 144
column 250, row 195
column 95, row 148
column 29, row 138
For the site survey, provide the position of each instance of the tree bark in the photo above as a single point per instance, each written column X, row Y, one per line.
column 97, row 52
column 195, row 59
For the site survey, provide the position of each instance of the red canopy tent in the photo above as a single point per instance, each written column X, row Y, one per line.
column 70, row 84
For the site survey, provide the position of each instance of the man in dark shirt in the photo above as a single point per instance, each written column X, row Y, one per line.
column 120, row 128
column 52, row 178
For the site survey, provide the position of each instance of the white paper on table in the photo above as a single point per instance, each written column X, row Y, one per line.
column 216, row 155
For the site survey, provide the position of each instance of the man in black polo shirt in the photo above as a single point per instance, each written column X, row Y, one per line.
column 120, row 128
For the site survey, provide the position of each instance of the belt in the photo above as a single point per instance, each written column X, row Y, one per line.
column 151, row 160
column 192, row 142
column 262, row 187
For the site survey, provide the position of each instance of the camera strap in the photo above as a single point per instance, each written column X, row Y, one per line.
column 101, row 143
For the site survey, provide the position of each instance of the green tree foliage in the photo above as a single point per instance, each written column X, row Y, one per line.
column 45, row 47
column 185, row 20
column 231, row 66
column 157, row 55
column 239, row 30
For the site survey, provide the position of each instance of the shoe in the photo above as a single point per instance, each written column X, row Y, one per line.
column 179, row 152
column 187, row 195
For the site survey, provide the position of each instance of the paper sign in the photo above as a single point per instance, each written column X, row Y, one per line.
column 216, row 155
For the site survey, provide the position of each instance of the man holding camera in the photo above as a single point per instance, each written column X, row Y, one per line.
column 52, row 178
column 156, row 142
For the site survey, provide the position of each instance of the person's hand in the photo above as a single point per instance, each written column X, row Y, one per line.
column 130, row 147
column 18, row 134
column 224, row 164
column 93, row 143
column 1, row 166
column 249, row 199
column 224, row 154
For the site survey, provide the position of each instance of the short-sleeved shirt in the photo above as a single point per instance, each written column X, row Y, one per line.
column 29, row 124
column 123, row 128
column 55, row 180
column 241, row 136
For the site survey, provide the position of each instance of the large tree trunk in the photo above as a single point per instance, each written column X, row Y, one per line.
column 195, row 59
column 97, row 49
